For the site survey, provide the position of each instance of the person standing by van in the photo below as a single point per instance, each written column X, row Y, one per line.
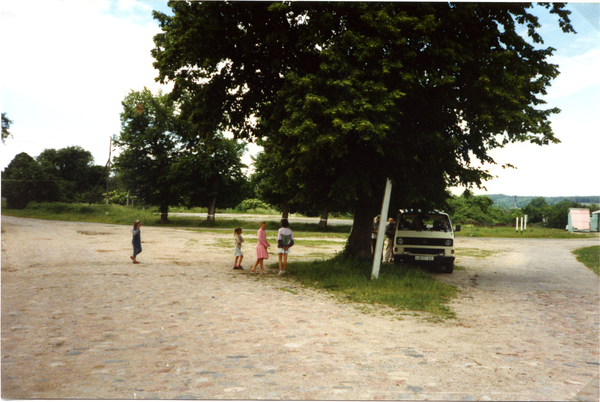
column 390, row 231
column 374, row 234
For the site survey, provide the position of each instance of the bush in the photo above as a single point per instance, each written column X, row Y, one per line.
column 118, row 197
column 255, row 205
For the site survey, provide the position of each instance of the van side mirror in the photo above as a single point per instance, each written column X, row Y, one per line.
column 457, row 228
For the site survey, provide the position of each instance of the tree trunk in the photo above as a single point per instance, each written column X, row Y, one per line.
column 324, row 215
column 164, row 214
column 285, row 210
column 211, row 211
column 359, row 241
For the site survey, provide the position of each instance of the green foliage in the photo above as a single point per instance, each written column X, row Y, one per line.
column 164, row 162
column 558, row 215
column 66, row 174
column 402, row 287
column 508, row 201
column 537, row 210
column 253, row 204
column 118, row 197
column 469, row 208
column 24, row 180
column 75, row 167
column 209, row 170
column 590, row 257
column 270, row 180
column 348, row 94
column 6, row 122
column 149, row 141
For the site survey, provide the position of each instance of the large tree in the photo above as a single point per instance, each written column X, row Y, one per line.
column 150, row 140
column 409, row 91
column 537, row 210
column 75, row 166
column 210, row 172
column 165, row 162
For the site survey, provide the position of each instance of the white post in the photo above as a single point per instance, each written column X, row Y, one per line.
column 522, row 219
column 381, row 232
column 526, row 223
column 517, row 228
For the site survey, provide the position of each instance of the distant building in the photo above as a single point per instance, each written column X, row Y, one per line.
column 579, row 220
column 595, row 222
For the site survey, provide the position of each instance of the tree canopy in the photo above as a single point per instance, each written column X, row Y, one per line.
column 348, row 94
column 75, row 167
column 25, row 180
column 165, row 163
column 66, row 174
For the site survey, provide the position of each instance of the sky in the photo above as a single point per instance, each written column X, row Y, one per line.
column 67, row 65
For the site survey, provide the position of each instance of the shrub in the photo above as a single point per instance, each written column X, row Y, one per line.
column 253, row 204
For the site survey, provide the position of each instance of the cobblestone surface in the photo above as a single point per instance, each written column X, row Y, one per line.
column 80, row 321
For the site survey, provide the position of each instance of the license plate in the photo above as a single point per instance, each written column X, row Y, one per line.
column 423, row 258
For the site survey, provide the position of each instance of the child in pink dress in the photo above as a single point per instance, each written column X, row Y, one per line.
column 261, row 248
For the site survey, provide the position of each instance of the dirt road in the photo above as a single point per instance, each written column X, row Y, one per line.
column 80, row 321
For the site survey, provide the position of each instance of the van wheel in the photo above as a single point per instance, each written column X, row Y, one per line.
column 449, row 267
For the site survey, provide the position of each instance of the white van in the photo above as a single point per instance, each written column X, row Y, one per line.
column 425, row 238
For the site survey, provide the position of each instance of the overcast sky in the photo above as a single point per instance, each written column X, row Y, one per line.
column 67, row 65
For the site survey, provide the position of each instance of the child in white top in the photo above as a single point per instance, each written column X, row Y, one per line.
column 239, row 256
column 285, row 240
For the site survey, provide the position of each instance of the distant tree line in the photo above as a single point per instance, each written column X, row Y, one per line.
column 472, row 209
column 66, row 174
column 198, row 178
column 511, row 201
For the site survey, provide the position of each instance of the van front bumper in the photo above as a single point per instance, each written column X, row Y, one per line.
column 435, row 259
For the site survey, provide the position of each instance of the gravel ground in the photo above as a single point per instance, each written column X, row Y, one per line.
column 79, row 320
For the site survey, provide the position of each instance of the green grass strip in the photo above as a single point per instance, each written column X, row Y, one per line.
column 122, row 215
column 532, row 232
column 402, row 287
column 590, row 257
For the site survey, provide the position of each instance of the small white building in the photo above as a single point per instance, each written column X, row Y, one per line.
column 579, row 220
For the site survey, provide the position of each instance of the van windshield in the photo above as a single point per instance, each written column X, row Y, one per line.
column 420, row 221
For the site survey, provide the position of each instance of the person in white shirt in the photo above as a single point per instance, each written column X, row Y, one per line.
column 285, row 240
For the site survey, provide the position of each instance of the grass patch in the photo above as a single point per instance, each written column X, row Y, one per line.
column 122, row 215
column 99, row 213
column 533, row 232
column 474, row 252
column 318, row 242
column 590, row 257
column 402, row 287
column 223, row 243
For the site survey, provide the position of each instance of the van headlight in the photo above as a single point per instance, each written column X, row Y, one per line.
column 448, row 243
column 399, row 241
